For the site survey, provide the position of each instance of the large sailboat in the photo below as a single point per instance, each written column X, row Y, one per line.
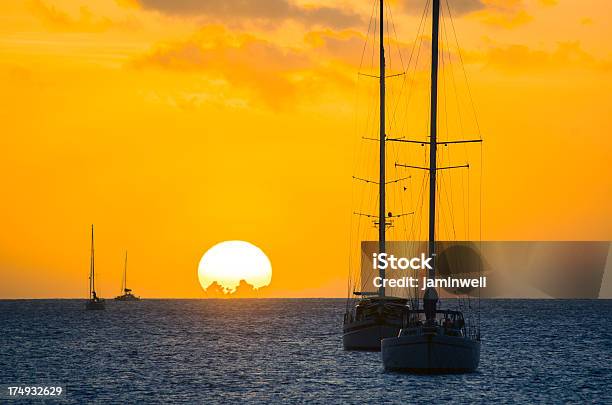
column 376, row 315
column 93, row 302
column 433, row 340
column 127, row 294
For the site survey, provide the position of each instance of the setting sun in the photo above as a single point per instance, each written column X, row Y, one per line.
column 229, row 262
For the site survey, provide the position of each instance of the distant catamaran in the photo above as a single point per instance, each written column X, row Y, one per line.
column 94, row 302
column 126, row 292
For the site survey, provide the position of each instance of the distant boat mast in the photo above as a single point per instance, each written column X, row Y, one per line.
column 124, row 283
column 92, row 286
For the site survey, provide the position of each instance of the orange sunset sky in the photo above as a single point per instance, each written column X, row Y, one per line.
column 176, row 124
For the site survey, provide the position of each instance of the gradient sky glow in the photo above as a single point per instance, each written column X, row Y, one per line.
column 173, row 125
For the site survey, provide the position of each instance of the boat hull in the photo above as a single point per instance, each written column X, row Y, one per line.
column 367, row 336
column 95, row 305
column 430, row 354
column 127, row 298
column 372, row 320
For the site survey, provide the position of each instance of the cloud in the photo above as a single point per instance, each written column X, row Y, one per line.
column 59, row 20
column 458, row 7
column 501, row 13
column 128, row 3
column 244, row 290
column 242, row 60
column 266, row 10
column 586, row 21
column 248, row 68
column 345, row 45
column 520, row 59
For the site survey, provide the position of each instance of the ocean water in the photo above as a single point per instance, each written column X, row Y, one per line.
column 209, row 351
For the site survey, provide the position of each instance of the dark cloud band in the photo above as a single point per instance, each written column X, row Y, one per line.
column 260, row 9
column 456, row 6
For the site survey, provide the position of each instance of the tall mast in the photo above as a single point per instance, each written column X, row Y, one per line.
column 430, row 298
column 381, row 184
column 433, row 143
column 92, row 286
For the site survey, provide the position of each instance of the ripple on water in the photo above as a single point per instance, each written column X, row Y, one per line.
column 290, row 350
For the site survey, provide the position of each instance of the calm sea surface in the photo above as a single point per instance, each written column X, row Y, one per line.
column 205, row 351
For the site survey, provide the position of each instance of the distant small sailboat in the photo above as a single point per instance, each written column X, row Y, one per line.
column 94, row 302
column 127, row 292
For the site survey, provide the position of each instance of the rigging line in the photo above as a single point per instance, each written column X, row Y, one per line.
column 370, row 118
column 419, row 39
column 424, row 187
column 401, row 199
column 444, row 190
column 361, row 230
column 374, row 31
column 442, row 225
column 414, row 223
column 418, row 35
column 358, row 160
column 480, row 224
column 353, row 278
column 360, row 164
column 464, row 206
column 353, row 192
column 399, row 51
column 365, row 44
column 389, row 55
column 441, row 89
column 449, row 202
column 361, row 146
column 444, row 79
column 417, row 45
column 448, row 189
column 388, row 63
column 452, row 70
column 464, row 70
column 356, row 189
column 399, row 195
column 396, row 96
column 416, row 227
column 468, row 203
column 350, row 243
column 370, row 272
column 411, row 204
column 370, row 94
column 461, row 129
column 412, row 83
column 481, row 184
column 390, row 18
column 415, row 230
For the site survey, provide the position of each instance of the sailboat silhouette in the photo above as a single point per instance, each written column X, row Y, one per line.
column 433, row 340
column 126, row 292
column 94, row 302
